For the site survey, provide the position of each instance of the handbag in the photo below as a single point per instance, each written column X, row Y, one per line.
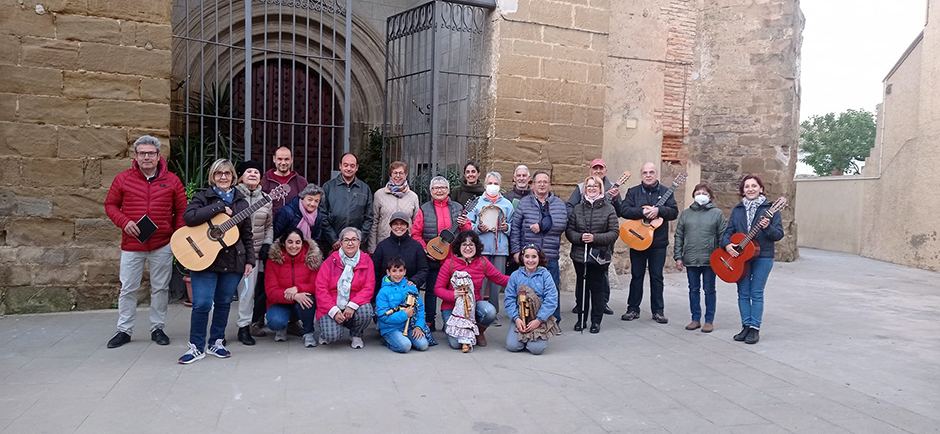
column 597, row 256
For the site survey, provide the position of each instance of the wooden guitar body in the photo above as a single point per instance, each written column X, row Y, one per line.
column 196, row 247
column 439, row 246
column 732, row 269
column 638, row 234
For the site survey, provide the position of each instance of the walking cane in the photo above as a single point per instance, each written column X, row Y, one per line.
column 585, row 304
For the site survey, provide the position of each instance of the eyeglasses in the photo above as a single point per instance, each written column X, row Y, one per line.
column 592, row 186
column 147, row 154
column 223, row 174
column 439, row 188
column 350, row 240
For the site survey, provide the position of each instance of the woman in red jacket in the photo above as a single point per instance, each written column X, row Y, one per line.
column 289, row 281
column 467, row 255
column 345, row 284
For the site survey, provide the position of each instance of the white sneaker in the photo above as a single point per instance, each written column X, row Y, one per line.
column 310, row 340
column 356, row 342
column 280, row 336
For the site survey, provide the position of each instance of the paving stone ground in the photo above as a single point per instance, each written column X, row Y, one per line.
column 848, row 345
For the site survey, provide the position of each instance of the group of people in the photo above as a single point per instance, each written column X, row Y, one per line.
column 324, row 261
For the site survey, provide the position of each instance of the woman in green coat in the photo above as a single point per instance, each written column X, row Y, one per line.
column 697, row 235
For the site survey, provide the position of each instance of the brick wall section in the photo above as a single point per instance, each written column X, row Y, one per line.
column 550, row 92
column 681, row 17
column 81, row 81
column 745, row 108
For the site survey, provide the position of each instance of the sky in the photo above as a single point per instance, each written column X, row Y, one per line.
column 849, row 46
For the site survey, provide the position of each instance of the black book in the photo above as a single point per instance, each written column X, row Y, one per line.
column 147, row 228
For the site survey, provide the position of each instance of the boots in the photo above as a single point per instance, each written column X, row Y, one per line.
column 244, row 335
column 481, row 338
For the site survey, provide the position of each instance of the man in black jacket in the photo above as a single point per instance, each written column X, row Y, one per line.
column 637, row 204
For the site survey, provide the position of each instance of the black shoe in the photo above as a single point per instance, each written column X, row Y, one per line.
column 630, row 316
column 740, row 337
column 432, row 326
column 595, row 328
column 575, row 309
column 660, row 318
column 244, row 335
column 295, row 329
column 607, row 310
column 578, row 326
column 159, row 337
column 752, row 336
column 119, row 339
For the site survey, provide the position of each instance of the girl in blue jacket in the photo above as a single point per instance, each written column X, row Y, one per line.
column 751, row 211
column 534, row 275
column 393, row 314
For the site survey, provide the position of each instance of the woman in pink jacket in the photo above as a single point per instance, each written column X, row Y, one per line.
column 345, row 284
column 467, row 255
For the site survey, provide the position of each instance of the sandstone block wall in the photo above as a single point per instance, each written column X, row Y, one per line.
column 81, row 81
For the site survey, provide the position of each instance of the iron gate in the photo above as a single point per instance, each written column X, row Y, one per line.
column 252, row 76
column 436, row 80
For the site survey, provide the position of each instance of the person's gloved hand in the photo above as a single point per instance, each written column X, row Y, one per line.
column 263, row 254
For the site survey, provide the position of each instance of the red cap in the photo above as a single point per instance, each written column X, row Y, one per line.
column 598, row 162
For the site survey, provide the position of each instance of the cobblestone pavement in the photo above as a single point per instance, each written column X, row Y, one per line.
column 848, row 345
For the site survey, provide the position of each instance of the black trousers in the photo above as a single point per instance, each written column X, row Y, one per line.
column 597, row 290
column 655, row 260
column 261, row 301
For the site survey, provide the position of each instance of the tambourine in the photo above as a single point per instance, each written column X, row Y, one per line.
column 491, row 216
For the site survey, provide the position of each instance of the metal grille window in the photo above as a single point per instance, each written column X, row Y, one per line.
column 436, row 80
column 252, row 76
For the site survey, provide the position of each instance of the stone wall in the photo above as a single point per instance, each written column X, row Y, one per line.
column 81, row 81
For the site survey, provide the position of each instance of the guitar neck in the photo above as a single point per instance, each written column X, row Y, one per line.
column 754, row 229
column 243, row 214
column 666, row 195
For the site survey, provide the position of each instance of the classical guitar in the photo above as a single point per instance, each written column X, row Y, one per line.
column 638, row 234
column 439, row 246
column 197, row 246
column 620, row 181
column 732, row 269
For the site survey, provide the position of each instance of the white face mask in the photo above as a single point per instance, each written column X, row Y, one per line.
column 701, row 199
column 492, row 189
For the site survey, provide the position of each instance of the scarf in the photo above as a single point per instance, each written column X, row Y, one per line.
column 344, row 285
column 307, row 220
column 398, row 190
column 751, row 207
column 591, row 199
column 544, row 331
column 227, row 196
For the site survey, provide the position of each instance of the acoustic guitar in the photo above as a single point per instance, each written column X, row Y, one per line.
column 624, row 177
column 196, row 247
column 732, row 269
column 439, row 246
column 638, row 234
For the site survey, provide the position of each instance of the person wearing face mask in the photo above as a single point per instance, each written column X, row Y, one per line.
column 470, row 188
column 396, row 197
column 749, row 212
column 495, row 239
column 698, row 233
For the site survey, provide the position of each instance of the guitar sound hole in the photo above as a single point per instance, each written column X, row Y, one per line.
column 214, row 234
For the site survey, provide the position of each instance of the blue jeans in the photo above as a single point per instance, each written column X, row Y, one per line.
column 512, row 343
column 485, row 315
column 751, row 291
column 400, row 343
column 552, row 268
column 699, row 278
column 211, row 291
column 279, row 316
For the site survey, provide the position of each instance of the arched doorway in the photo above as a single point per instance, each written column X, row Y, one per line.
column 292, row 106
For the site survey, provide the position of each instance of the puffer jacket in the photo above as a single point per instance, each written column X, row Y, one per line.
column 262, row 221
column 283, row 271
column 207, row 204
column 363, row 283
column 541, row 282
column 163, row 200
column 478, row 268
column 632, row 208
column 765, row 238
column 698, row 233
column 529, row 212
column 384, row 203
column 598, row 218
column 494, row 243
column 392, row 295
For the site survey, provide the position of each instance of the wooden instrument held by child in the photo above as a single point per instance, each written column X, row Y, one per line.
column 410, row 301
column 525, row 308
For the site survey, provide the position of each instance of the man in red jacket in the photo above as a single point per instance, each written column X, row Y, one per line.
column 146, row 189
